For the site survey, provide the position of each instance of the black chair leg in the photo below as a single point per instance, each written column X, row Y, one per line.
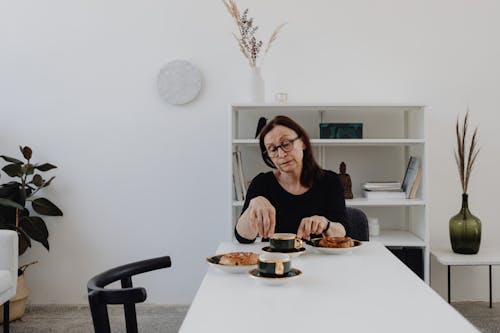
column 6, row 316
column 100, row 316
column 130, row 318
column 129, row 309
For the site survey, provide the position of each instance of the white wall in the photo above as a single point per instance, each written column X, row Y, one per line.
column 139, row 178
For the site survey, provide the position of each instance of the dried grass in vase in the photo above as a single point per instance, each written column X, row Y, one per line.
column 249, row 45
column 465, row 156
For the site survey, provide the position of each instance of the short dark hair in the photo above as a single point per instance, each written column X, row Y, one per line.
column 311, row 171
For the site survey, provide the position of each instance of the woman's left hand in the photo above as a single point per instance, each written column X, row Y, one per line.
column 311, row 225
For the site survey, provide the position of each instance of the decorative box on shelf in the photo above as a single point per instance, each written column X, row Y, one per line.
column 341, row 131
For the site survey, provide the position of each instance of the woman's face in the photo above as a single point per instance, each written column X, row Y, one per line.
column 286, row 161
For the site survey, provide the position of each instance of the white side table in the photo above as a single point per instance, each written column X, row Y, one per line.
column 485, row 257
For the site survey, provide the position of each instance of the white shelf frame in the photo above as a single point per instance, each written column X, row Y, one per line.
column 393, row 238
column 345, row 142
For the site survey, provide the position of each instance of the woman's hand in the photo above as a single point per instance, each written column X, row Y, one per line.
column 259, row 218
column 311, row 225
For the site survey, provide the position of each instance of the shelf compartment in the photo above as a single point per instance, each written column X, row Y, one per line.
column 398, row 238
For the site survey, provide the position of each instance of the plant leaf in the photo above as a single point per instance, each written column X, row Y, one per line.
column 45, row 167
column 28, row 169
column 47, row 183
column 27, row 152
column 35, row 228
column 13, row 170
column 10, row 203
column 37, row 180
column 45, row 207
column 11, row 160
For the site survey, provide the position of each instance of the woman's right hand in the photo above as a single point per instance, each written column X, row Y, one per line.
column 262, row 217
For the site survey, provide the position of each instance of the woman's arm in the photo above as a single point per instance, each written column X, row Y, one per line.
column 258, row 216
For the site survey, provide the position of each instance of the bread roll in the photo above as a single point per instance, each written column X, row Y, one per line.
column 239, row 259
column 336, row 242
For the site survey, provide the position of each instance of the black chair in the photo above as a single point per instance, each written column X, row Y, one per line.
column 358, row 222
column 99, row 297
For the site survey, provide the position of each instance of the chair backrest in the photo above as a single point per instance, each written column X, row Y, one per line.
column 358, row 223
column 9, row 261
column 99, row 297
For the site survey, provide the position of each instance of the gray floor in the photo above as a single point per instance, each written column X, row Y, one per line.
column 77, row 319
column 167, row 319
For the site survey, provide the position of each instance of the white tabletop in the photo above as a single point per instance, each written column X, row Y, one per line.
column 369, row 290
column 485, row 256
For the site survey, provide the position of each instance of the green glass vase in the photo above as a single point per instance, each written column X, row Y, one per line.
column 465, row 230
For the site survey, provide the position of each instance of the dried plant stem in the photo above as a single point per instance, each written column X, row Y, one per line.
column 249, row 45
column 465, row 164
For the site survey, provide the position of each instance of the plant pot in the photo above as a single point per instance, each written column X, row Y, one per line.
column 18, row 302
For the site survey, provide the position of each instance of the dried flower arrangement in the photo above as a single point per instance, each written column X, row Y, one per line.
column 465, row 163
column 249, row 45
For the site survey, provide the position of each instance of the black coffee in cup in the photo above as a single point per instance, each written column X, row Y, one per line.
column 285, row 241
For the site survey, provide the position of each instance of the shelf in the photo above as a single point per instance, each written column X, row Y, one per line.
column 363, row 202
column 398, row 238
column 324, row 107
column 346, row 142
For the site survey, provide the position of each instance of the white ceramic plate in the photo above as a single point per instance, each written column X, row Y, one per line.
column 275, row 280
column 334, row 250
column 232, row 269
column 292, row 254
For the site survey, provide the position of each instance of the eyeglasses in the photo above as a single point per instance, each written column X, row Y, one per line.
column 286, row 145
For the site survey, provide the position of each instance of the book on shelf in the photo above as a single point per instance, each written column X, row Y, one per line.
column 238, row 178
column 410, row 176
column 382, row 186
column 416, row 184
column 407, row 189
column 379, row 195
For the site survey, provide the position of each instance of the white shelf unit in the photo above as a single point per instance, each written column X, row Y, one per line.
column 391, row 134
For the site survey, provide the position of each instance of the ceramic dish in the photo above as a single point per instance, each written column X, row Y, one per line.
column 275, row 280
column 232, row 269
column 334, row 250
column 292, row 253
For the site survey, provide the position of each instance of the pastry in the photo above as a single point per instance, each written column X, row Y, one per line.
column 336, row 242
column 239, row 259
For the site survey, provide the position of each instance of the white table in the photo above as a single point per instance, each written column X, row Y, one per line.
column 485, row 257
column 369, row 290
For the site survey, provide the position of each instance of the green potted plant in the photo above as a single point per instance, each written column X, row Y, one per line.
column 26, row 186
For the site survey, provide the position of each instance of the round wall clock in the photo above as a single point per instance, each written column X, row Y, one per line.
column 179, row 82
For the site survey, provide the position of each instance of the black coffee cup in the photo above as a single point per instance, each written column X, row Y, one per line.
column 274, row 264
column 282, row 241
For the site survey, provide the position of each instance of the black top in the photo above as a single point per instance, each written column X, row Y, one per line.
column 324, row 198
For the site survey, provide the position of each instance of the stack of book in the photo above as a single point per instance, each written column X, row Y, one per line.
column 395, row 190
column 383, row 190
column 240, row 189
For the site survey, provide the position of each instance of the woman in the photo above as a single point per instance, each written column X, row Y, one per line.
column 298, row 196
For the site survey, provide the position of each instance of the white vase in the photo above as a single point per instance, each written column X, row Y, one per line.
column 257, row 86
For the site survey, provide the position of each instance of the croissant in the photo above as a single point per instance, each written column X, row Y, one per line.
column 239, row 259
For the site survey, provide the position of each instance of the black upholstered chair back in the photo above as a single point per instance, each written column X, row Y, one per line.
column 100, row 297
column 358, row 222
